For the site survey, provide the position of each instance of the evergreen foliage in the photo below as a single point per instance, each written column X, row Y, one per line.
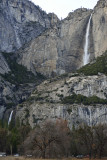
column 99, row 66
column 19, row 73
column 78, row 99
column 12, row 135
column 54, row 139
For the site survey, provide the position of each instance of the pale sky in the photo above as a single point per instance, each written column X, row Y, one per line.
column 62, row 7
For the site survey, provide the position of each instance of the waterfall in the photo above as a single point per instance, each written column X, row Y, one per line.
column 86, row 54
column 10, row 117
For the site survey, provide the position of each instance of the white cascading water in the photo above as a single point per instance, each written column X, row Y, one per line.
column 10, row 117
column 86, row 54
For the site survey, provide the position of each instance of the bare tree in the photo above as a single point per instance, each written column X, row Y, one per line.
column 49, row 140
column 100, row 138
column 86, row 138
column 3, row 139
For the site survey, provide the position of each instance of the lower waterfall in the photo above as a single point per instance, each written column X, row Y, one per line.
column 10, row 117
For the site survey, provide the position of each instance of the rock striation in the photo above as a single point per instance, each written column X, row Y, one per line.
column 48, row 45
column 51, row 47
column 59, row 49
column 4, row 68
column 99, row 29
column 11, row 95
column 75, row 115
column 84, row 85
column 45, row 102
column 20, row 22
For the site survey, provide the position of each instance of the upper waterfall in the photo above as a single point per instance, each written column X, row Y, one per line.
column 86, row 46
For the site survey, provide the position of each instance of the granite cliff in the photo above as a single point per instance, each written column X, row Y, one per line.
column 34, row 43
column 60, row 49
column 79, row 98
column 99, row 30
column 20, row 22
column 49, row 45
column 57, row 49
column 53, row 99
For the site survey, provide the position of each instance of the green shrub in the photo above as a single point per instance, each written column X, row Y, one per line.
column 80, row 99
column 100, row 66
column 19, row 73
column 59, row 95
column 9, row 105
column 69, row 110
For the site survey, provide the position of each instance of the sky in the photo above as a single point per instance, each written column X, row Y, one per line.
column 62, row 7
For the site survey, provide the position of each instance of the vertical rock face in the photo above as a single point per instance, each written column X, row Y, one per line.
column 46, row 101
column 11, row 94
column 99, row 29
column 4, row 68
column 74, row 114
column 51, row 47
column 57, row 46
column 62, row 47
column 20, row 22
column 59, row 49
